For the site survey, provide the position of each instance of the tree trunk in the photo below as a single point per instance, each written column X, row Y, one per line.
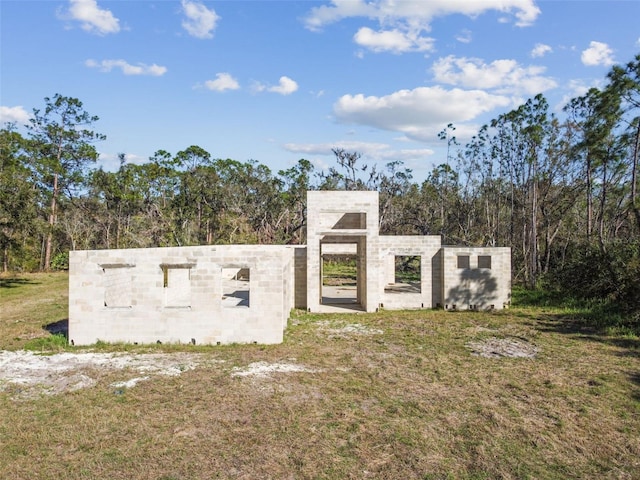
column 634, row 176
column 589, row 200
column 52, row 222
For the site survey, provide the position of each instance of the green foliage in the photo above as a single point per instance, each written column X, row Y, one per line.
column 52, row 343
column 60, row 261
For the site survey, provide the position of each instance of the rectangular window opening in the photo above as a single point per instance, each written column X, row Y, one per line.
column 484, row 261
column 176, row 282
column 463, row 261
column 352, row 221
column 236, row 287
column 407, row 276
column 117, row 286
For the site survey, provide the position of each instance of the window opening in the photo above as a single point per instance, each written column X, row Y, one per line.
column 352, row 221
column 463, row 261
column 484, row 261
column 236, row 287
column 117, row 286
column 407, row 276
column 176, row 282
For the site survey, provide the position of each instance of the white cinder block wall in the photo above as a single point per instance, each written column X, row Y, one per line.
column 186, row 304
column 469, row 284
column 426, row 247
column 344, row 218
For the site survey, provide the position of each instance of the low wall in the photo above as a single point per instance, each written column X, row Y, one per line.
column 476, row 278
column 203, row 294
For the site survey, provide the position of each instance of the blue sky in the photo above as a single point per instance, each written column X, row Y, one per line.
column 280, row 80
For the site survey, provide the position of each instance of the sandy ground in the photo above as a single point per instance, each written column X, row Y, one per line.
column 28, row 373
column 503, row 347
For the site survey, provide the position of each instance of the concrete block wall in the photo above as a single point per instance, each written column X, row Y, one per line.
column 427, row 248
column 184, row 304
column 475, row 286
column 343, row 217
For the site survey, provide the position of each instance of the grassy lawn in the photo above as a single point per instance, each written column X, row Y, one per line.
column 391, row 395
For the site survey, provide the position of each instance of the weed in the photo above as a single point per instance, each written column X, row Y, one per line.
column 52, row 343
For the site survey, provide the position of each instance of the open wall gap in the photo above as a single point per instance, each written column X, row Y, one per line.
column 339, row 279
column 407, row 275
column 236, row 287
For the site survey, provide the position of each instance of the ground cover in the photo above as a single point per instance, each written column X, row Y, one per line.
column 524, row 393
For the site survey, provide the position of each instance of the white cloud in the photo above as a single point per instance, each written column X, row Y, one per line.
column 92, row 18
column 127, row 68
column 417, row 13
column 465, row 36
column 285, row 87
column 200, row 21
column 402, row 23
column 417, row 112
column 505, row 76
column 540, row 50
column 394, row 41
column 13, row 114
column 223, row 81
column 111, row 162
column 598, row 53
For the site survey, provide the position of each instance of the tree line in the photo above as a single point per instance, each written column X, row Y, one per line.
column 561, row 192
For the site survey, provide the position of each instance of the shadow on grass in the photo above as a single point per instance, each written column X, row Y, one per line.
column 16, row 282
column 635, row 378
column 61, row 327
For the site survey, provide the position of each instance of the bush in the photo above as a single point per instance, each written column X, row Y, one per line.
column 606, row 282
column 60, row 261
column 53, row 343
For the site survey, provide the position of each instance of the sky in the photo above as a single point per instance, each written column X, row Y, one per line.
column 280, row 80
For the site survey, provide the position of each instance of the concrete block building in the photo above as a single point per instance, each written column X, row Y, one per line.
column 221, row 294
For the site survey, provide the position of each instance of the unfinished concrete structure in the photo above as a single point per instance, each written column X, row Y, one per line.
column 244, row 293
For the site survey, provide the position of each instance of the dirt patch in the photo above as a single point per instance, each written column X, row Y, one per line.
column 348, row 329
column 503, row 347
column 28, row 373
column 264, row 369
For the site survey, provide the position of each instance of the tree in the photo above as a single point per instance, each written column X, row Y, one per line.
column 17, row 195
column 61, row 143
column 625, row 84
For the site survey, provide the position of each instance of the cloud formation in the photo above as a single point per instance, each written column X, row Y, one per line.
column 465, row 36
column 597, row 54
column 286, row 86
column 13, row 114
column 224, row 81
column 402, row 23
column 394, row 41
column 416, row 113
column 503, row 76
column 92, row 18
column 126, row 68
column 200, row 21
column 540, row 50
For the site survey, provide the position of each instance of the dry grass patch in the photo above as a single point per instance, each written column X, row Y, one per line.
column 29, row 302
column 392, row 395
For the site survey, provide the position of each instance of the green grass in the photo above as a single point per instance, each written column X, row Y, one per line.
column 31, row 304
column 410, row 402
column 339, row 272
column 600, row 315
